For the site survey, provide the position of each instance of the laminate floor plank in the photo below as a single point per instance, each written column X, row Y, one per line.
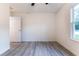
column 52, row 49
column 37, row 49
column 41, row 49
column 29, row 50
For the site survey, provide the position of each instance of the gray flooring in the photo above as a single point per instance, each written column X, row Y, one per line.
column 37, row 49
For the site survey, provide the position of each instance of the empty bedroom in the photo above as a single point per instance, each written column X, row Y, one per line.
column 39, row 29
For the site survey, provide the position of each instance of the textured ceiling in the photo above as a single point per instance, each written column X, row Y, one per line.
column 38, row 7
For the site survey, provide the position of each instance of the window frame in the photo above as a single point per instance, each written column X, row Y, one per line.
column 72, row 23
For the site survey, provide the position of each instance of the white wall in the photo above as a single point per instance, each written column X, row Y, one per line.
column 37, row 26
column 4, row 27
column 43, row 26
column 63, row 30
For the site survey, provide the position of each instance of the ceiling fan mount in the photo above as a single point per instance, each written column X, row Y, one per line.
column 32, row 4
column 46, row 3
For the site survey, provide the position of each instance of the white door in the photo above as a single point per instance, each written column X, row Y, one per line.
column 15, row 29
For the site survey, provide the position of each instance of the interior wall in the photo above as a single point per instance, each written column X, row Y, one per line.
column 63, row 30
column 4, row 27
column 37, row 26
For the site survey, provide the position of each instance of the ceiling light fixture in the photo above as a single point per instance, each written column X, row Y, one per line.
column 32, row 4
column 46, row 3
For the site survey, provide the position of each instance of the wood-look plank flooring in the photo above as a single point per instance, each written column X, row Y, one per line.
column 37, row 49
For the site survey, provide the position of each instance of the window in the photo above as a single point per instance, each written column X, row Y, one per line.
column 75, row 22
